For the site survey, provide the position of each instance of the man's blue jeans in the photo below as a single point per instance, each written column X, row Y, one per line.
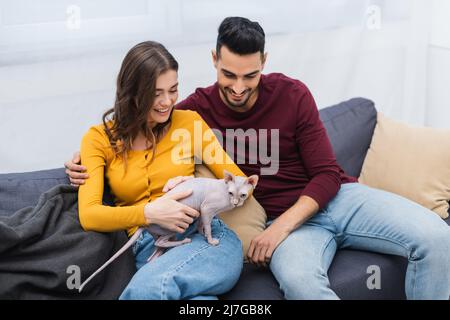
column 195, row 270
column 363, row 218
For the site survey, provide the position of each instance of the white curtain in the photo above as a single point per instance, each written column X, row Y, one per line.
column 59, row 59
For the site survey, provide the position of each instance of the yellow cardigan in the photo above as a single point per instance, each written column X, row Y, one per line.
column 144, row 180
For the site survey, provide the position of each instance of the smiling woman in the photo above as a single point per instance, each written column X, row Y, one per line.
column 166, row 96
column 140, row 99
column 133, row 151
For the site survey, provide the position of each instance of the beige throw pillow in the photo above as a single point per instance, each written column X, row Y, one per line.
column 413, row 162
column 247, row 221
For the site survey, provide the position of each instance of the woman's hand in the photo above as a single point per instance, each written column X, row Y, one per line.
column 172, row 183
column 169, row 214
column 75, row 171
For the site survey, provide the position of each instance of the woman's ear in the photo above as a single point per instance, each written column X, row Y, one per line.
column 253, row 180
column 227, row 176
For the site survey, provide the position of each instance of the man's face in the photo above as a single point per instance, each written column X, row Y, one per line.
column 238, row 78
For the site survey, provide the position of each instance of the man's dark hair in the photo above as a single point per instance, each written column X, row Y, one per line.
column 240, row 36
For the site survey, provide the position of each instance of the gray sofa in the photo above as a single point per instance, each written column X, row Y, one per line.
column 350, row 126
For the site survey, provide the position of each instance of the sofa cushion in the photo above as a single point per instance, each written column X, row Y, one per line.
column 348, row 275
column 413, row 162
column 20, row 190
column 350, row 127
column 255, row 283
column 350, row 272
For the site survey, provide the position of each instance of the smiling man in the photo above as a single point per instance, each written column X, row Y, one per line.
column 238, row 91
column 313, row 207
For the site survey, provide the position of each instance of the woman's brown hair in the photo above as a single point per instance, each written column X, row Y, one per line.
column 135, row 96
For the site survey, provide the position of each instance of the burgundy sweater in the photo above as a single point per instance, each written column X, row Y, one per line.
column 307, row 164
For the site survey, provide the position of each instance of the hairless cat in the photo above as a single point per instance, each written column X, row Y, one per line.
column 210, row 197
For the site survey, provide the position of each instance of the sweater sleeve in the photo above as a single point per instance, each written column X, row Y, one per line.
column 316, row 153
column 213, row 155
column 94, row 216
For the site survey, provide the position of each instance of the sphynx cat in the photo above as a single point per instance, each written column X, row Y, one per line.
column 210, row 197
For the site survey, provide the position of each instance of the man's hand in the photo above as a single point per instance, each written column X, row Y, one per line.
column 76, row 172
column 172, row 183
column 263, row 246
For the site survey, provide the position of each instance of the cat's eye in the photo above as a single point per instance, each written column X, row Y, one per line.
column 230, row 193
column 243, row 195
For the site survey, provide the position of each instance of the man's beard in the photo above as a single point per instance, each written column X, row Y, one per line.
column 238, row 104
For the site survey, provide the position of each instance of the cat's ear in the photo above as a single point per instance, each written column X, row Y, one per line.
column 253, row 180
column 227, row 176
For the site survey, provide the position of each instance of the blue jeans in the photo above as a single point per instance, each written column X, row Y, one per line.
column 195, row 270
column 363, row 218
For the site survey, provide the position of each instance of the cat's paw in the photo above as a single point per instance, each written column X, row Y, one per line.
column 213, row 242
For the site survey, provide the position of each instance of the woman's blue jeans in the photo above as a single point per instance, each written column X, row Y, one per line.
column 196, row 270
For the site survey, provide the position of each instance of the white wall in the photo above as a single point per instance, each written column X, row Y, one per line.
column 42, row 129
column 438, row 99
column 57, row 82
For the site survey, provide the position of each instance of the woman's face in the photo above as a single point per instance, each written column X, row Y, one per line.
column 166, row 97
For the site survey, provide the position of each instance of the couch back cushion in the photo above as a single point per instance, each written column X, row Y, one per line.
column 20, row 190
column 350, row 127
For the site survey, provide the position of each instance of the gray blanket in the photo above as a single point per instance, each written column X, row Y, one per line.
column 43, row 247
